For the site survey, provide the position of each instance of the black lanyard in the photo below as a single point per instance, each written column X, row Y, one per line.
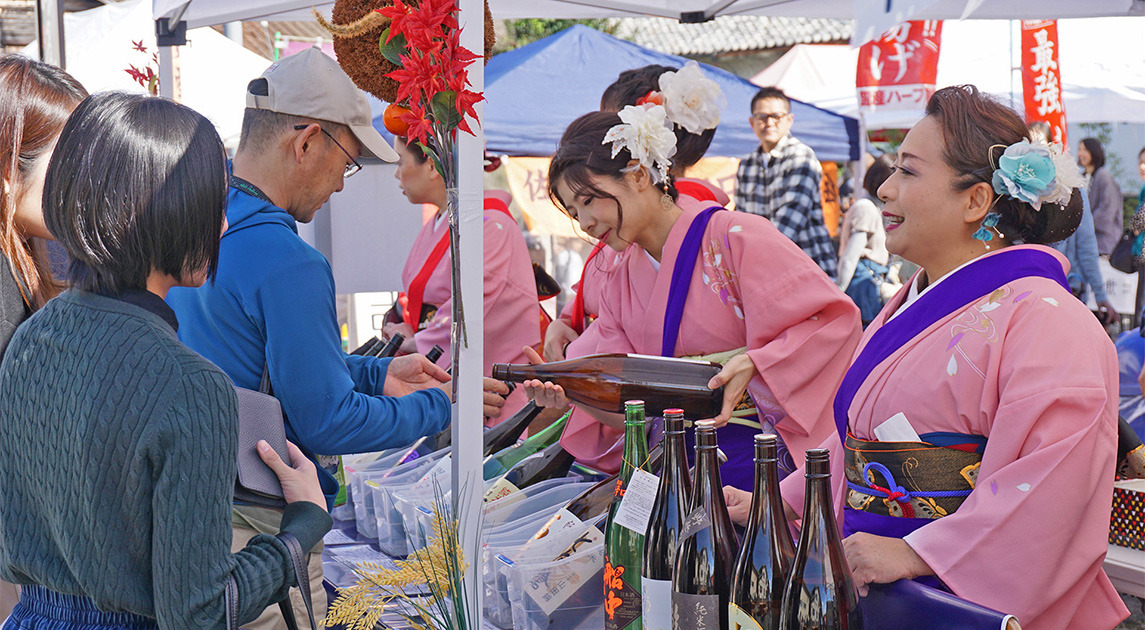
column 249, row 188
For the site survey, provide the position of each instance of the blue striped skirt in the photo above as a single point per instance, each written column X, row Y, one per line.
column 44, row 609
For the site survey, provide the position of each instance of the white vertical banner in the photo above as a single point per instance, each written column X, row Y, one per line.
column 468, row 419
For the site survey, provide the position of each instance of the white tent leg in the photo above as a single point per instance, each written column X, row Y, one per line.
column 467, row 415
column 50, row 27
column 167, row 72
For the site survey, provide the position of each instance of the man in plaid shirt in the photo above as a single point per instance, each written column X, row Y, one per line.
column 780, row 179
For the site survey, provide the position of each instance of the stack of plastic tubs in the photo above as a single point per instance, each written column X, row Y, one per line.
column 379, row 480
column 509, row 523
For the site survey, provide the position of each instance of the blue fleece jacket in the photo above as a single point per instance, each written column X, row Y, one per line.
column 272, row 302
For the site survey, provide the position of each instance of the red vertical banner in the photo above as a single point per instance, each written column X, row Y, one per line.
column 899, row 69
column 1041, row 77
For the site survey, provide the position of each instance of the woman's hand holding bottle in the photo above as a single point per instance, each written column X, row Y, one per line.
column 545, row 394
column 735, row 376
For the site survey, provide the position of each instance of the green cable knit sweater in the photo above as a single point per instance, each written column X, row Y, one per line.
column 117, row 467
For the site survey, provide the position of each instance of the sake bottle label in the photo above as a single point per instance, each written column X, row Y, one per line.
column 636, row 505
column 695, row 612
column 693, row 523
column 500, row 488
column 738, row 619
column 656, row 603
column 621, row 600
column 551, row 588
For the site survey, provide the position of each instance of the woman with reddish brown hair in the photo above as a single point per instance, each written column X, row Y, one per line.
column 35, row 100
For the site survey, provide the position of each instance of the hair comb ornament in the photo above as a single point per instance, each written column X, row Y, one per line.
column 647, row 134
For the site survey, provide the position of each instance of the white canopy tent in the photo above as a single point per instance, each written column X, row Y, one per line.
column 1098, row 84
column 213, row 70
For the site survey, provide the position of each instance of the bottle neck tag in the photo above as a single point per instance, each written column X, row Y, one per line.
column 636, row 506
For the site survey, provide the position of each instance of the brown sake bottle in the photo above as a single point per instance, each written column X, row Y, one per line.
column 706, row 557
column 820, row 593
column 605, row 381
column 673, row 503
column 767, row 552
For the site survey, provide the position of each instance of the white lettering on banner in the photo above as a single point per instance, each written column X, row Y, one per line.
column 896, row 96
column 1047, row 91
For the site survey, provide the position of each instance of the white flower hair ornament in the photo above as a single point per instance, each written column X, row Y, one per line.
column 692, row 100
column 647, row 134
column 1036, row 173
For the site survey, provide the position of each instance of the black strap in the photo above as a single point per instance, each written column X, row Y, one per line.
column 302, row 580
column 248, row 188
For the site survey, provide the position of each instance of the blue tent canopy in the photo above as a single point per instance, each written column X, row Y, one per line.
column 535, row 91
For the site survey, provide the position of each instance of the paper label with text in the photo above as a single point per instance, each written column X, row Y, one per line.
column 695, row 612
column 500, row 489
column 553, row 586
column 636, row 505
column 656, row 602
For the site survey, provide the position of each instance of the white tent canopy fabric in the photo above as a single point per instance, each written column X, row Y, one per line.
column 1100, row 83
column 210, row 12
column 213, row 70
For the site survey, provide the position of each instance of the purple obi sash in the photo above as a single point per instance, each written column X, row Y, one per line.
column 965, row 286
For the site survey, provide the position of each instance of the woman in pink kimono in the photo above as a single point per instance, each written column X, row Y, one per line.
column 573, row 334
column 977, row 423
column 512, row 313
column 703, row 282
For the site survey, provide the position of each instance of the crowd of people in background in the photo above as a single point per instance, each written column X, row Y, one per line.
column 187, row 277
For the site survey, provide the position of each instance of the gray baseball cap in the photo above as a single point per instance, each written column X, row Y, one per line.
column 311, row 84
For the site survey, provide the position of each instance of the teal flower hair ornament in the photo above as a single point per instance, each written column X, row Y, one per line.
column 1036, row 173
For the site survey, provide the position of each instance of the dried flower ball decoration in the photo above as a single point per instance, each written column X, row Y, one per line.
column 357, row 27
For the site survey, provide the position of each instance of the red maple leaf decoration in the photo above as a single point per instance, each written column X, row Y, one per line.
column 138, row 45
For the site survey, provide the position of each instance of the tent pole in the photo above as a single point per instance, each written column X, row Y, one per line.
column 167, row 72
column 467, row 380
column 50, row 29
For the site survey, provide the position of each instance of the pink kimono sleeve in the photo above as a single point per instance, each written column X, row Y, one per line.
column 1031, row 539
column 801, row 333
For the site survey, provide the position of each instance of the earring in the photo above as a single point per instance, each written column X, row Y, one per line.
column 666, row 200
column 990, row 221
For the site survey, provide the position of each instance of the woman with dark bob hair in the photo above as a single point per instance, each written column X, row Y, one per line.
column 118, row 453
column 699, row 281
column 977, row 424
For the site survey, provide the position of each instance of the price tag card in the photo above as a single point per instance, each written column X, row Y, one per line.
column 500, row 489
column 557, row 582
column 338, row 537
column 636, row 506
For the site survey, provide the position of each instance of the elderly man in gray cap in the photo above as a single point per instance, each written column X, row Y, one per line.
column 271, row 307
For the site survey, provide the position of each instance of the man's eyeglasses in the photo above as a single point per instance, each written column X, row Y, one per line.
column 765, row 118
column 353, row 166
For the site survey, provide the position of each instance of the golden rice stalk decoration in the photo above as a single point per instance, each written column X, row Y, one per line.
column 379, row 589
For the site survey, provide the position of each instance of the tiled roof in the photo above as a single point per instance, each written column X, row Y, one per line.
column 731, row 33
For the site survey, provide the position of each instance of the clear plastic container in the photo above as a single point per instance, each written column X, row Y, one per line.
column 567, row 594
column 532, row 499
column 382, row 482
column 358, row 473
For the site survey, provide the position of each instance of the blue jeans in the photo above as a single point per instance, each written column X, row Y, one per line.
column 44, row 609
column 864, row 288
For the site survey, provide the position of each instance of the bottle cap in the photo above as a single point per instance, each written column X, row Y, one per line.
column 668, row 413
column 818, row 463
column 766, row 447
column 634, row 403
